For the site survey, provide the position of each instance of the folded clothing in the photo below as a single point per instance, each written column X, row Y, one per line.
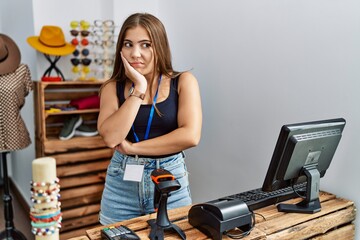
column 86, row 102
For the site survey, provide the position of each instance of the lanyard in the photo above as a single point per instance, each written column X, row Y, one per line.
column 151, row 115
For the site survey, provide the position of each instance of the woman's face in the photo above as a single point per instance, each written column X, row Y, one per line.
column 137, row 50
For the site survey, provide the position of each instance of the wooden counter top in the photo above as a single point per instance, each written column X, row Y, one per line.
column 334, row 221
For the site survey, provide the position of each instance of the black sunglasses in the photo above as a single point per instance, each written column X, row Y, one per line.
column 83, row 61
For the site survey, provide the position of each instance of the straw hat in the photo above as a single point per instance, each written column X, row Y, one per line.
column 10, row 56
column 51, row 41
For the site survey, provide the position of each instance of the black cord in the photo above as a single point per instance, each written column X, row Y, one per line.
column 243, row 234
column 261, row 216
column 297, row 193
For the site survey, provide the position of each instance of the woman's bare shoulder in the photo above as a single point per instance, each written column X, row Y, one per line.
column 187, row 77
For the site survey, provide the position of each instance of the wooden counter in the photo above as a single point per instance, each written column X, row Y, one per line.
column 334, row 221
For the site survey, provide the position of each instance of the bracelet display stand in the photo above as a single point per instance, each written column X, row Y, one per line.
column 45, row 212
column 10, row 233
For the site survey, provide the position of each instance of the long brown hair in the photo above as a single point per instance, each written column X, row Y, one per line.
column 160, row 44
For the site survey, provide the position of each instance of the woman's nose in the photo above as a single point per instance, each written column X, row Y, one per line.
column 135, row 53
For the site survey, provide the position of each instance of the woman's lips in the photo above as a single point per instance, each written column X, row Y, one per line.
column 136, row 64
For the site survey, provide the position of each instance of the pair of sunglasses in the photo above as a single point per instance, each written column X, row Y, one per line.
column 104, row 23
column 83, row 42
column 107, row 61
column 104, row 43
column 84, row 52
column 101, row 71
column 84, row 25
column 97, row 40
column 83, row 61
column 83, row 33
column 101, row 32
column 84, row 69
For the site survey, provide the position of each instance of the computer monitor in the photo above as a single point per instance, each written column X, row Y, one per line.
column 303, row 153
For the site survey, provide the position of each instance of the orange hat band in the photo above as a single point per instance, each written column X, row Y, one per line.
column 52, row 45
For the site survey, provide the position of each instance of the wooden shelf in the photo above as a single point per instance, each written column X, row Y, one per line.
column 65, row 84
column 81, row 162
column 56, row 145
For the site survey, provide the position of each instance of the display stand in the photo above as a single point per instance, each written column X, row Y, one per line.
column 47, row 74
column 10, row 233
column 311, row 204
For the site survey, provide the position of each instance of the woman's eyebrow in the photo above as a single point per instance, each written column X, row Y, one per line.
column 145, row 40
column 141, row 41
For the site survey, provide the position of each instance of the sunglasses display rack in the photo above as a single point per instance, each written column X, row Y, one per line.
column 103, row 43
column 81, row 56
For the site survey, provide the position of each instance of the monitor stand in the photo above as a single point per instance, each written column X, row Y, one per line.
column 311, row 204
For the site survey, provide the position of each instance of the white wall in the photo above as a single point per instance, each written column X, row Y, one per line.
column 260, row 64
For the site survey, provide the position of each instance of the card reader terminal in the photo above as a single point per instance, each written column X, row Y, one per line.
column 118, row 233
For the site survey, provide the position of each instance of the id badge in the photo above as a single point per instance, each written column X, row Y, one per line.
column 133, row 172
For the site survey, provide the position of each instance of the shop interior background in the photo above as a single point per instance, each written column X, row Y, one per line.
column 260, row 64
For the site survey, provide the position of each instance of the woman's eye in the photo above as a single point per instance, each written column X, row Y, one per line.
column 127, row 44
column 146, row 45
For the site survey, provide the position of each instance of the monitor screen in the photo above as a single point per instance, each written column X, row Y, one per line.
column 303, row 153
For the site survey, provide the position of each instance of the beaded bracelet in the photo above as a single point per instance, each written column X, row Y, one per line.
column 44, row 192
column 47, row 217
column 45, row 231
column 45, row 220
column 46, row 200
column 49, row 224
column 55, row 213
column 34, row 210
column 43, row 184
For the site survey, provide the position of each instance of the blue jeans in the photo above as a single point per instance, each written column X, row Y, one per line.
column 122, row 200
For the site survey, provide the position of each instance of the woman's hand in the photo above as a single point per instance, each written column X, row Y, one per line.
column 137, row 78
column 124, row 147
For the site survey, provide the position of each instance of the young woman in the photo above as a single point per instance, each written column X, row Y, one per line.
column 149, row 113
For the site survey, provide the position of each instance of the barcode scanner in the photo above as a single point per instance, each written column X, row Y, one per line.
column 165, row 183
column 160, row 175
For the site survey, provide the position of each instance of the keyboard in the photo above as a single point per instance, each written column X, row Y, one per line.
column 257, row 198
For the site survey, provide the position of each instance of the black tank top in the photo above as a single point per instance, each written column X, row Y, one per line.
column 160, row 125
